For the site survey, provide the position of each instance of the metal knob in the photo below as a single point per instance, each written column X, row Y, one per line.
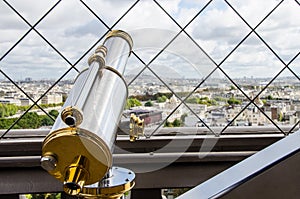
column 48, row 162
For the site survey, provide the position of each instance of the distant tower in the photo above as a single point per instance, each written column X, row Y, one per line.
column 28, row 79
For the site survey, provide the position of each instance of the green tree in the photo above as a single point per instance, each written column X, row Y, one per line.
column 6, row 123
column 177, row 123
column 232, row 87
column 280, row 117
column 168, row 124
column 30, row 121
column 149, row 103
column 156, row 95
column 270, row 97
column 8, row 110
column 11, row 109
column 23, row 108
column 132, row 102
column 213, row 102
column 44, row 196
column 193, row 100
column 54, row 113
column 233, row 101
column 2, row 110
column 202, row 100
column 46, row 120
column 162, row 99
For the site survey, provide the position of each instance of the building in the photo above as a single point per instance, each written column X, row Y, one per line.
column 53, row 98
column 150, row 117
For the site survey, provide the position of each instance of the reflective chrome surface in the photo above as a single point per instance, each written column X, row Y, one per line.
column 116, row 183
column 119, row 47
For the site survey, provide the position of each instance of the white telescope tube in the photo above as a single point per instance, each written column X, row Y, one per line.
column 78, row 149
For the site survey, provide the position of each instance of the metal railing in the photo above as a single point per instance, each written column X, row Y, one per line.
column 152, row 158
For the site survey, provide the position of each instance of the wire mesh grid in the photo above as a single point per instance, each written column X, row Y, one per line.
column 189, row 33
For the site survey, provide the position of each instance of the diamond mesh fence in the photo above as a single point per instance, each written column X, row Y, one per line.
column 209, row 64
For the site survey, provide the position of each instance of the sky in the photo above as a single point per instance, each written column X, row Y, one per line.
column 73, row 29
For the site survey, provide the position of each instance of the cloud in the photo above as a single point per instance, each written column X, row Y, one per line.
column 181, row 55
column 72, row 29
column 93, row 27
column 282, row 31
column 10, row 20
column 110, row 10
column 247, row 9
column 218, row 30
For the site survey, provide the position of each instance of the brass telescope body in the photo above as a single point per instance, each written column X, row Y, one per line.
column 78, row 149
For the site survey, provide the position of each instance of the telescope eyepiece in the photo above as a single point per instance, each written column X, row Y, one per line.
column 70, row 121
column 72, row 116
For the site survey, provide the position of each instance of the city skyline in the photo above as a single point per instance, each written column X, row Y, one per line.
column 214, row 104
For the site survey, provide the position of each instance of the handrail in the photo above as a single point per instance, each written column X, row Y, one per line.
column 21, row 133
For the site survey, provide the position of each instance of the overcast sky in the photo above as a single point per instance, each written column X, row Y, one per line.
column 72, row 29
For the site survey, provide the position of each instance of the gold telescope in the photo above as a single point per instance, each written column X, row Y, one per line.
column 78, row 149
